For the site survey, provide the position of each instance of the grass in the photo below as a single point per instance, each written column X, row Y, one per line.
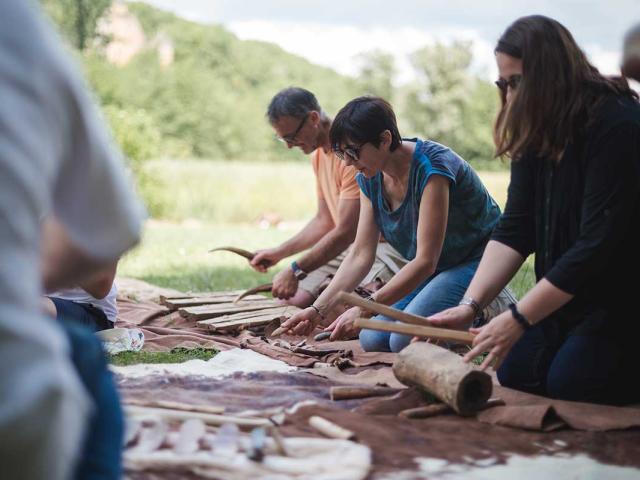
column 229, row 192
column 176, row 355
column 175, row 255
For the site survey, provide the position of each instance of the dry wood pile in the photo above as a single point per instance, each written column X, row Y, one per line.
column 221, row 312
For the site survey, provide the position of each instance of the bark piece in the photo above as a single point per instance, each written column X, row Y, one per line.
column 330, row 429
column 351, row 393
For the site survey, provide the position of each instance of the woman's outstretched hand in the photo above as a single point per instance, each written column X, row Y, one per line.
column 496, row 337
column 343, row 327
column 302, row 323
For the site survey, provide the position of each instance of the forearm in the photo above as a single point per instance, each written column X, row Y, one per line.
column 542, row 300
column 351, row 272
column 312, row 232
column 405, row 281
column 63, row 264
column 100, row 284
column 497, row 267
column 327, row 248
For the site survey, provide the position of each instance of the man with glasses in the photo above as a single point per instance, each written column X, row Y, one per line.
column 296, row 116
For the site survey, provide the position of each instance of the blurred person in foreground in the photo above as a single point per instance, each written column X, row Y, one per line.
column 573, row 137
column 60, row 416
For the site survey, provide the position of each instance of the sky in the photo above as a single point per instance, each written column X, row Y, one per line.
column 333, row 32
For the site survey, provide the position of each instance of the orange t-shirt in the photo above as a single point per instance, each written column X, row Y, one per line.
column 334, row 180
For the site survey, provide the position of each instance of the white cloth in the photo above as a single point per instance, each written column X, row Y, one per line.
column 54, row 157
column 78, row 295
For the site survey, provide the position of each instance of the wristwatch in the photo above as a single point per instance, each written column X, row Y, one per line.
column 297, row 271
column 473, row 304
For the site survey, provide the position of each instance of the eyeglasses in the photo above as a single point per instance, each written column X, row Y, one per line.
column 512, row 83
column 351, row 151
column 291, row 138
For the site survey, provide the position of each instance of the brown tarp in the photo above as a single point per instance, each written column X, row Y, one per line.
column 164, row 330
column 395, row 442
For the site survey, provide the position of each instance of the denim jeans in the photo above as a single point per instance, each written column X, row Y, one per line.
column 586, row 368
column 100, row 457
column 439, row 292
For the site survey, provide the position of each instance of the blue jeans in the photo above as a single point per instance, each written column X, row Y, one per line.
column 100, row 457
column 81, row 313
column 439, row 292
column 585, row 368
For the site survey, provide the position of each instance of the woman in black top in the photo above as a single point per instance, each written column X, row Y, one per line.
column 573, row 137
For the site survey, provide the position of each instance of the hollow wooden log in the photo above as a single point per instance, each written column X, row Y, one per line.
column 445, row 375
column 352, row 393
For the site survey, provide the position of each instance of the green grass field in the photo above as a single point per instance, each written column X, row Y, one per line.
column 217, row 204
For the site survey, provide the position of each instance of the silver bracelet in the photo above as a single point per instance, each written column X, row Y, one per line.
column 477, row 309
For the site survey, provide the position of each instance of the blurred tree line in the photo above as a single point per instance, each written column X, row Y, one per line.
column 211, row 100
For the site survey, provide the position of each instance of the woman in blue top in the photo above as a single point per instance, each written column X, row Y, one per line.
column 425, row 200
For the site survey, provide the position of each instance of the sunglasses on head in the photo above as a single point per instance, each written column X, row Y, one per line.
column 512, row 82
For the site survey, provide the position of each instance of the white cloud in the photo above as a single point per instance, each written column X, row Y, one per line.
column 338, row 46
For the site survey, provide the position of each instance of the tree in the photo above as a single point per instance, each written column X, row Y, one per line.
column 77, row 19
column 448, row 104
column 377, row 70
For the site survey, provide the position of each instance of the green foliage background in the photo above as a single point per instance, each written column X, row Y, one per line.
column 210, row 102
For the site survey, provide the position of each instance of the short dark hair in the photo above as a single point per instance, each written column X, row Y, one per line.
column 292, row 102
column 362, row 120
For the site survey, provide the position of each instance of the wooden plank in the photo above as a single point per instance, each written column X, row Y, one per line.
column 247, row 319
column 273, row 312
column 176, row 303
column 228, row 293
column 210, row 311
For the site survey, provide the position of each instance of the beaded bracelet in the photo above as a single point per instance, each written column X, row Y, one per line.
column 521, row 319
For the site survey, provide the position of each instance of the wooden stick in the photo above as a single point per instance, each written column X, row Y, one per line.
column 278, row 440
column 379, row 308
column 238, row 251
column 446, row 334
column 351, row 393
column 208, row 418
column 185, row 407
column 330, row 429
column 426, row 411
column 265, row 287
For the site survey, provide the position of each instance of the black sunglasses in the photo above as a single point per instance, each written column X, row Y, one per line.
column 512, row 83
column 291, row 138
column 351, row 151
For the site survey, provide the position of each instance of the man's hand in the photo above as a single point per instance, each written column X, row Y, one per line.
column 343, row 327
column 265, row 259
column 285, row 284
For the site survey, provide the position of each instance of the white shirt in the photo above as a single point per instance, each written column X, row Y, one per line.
column 78, row 295
column 55, row 156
